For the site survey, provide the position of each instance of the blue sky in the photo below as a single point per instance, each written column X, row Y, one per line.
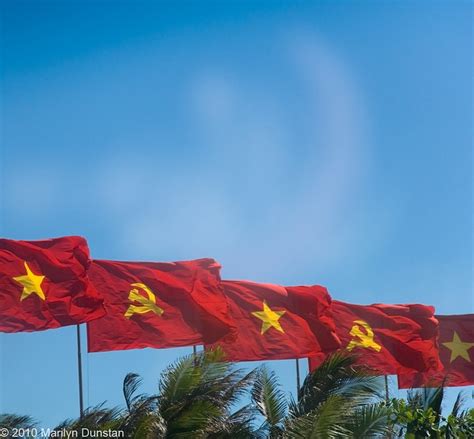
column 296, row 143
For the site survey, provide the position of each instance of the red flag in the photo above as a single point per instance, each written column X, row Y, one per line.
column 275, row 322
column 44, row 284
column 158, row 305
column 388, row 338
column 456, row 350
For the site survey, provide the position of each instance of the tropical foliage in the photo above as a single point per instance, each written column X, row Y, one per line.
column 203, row 396
column 421, row 416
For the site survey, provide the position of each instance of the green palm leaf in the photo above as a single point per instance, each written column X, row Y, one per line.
column 94, row 419
column 131, row 383
column 369, row 421
column 10, row 421
column 270, row 401
column 337, row 375
column 197, row 394
column 324, row 422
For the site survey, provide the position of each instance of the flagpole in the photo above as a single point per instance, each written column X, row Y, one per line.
column 297, row 378
column 387, row 396
column 79, row 370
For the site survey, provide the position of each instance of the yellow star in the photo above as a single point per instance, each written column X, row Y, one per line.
column 269, row 318
column 31, row 284
column 458, row 348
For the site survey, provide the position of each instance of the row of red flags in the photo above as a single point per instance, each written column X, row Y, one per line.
column 127, row 305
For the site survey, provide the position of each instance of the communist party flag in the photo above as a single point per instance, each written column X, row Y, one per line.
column 389, row 339
column 456, row 350
column 44, row 284
column 275, row 322
column 158, row 304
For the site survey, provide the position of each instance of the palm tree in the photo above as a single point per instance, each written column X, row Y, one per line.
column 196, row 398
column 336, row 400
column 197, row 395
column 202, row 396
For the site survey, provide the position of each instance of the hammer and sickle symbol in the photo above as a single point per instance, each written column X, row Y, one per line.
column 363, row 336
column 147, row 304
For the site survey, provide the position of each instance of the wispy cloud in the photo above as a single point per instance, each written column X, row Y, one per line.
column 273, row 195
column 273, row 185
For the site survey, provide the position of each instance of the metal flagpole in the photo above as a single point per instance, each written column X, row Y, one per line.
column 79, row 370
column 297, row 378
column 387, row 396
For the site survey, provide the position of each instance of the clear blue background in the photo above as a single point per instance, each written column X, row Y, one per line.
column 297, row 143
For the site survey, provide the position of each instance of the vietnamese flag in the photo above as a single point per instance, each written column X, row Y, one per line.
column 158, row 305
column 456, row 350
column 275, row 322
column 44, row 284
column 389, row 339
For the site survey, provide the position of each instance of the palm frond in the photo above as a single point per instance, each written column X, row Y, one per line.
column 458, row 404
column 176, row 383
column 337, row 375
column 94, row 418
column 238, row 424
column 426, row 398
column 369, row 421
column 131, row 383
column 269, row 399
column 237, row 386
column 324, row 422
column 197, row 418
column 143, row 419
column 10, row 421
column 198, row 392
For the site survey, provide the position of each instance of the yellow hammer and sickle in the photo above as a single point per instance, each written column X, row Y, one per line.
column 363, row 339
column 146, row 304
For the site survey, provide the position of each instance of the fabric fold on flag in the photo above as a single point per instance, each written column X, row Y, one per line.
column 44, row 284
column 158, row 304
column 275, row 322
column 456, row 346
column 389, row 339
